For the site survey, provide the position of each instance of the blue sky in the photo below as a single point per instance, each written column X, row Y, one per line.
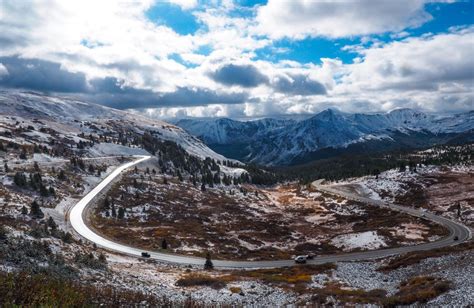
column 243, row 58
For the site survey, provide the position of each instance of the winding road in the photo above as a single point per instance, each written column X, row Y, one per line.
column 77, row 216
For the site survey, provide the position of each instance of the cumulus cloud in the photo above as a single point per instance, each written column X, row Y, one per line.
column 247, row 76
column 421, row 63
column 300, row 18
column 111, row 53
column 298, row 85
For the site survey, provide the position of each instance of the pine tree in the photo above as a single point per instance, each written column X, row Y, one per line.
column 35, row 210
column 121, row 213
column 106, row 204
column 6, row 168
column 114, row 212
column 20, row 179
column 52, row 224
column 62, row 175
column 24, row 210
column 164, row 244
column 208, row 265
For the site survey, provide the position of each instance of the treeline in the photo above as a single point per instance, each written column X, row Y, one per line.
column 348, row 166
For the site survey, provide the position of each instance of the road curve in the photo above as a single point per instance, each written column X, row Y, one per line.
column 77, row 221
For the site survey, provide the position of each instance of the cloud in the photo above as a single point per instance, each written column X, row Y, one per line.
column 127, row 98
column 185, row 4
column 297, row 19
column 298, row 85
column 40, row 75
column 423, row 63
column 247, row 76
column 3, row 70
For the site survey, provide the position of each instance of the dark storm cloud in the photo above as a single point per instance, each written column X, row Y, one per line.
column 183, row 97
column 298, row 85
column 40, row 75
column 46, row 76
column 247, row 76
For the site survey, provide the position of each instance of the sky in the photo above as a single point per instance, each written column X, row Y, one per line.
column 243, row 58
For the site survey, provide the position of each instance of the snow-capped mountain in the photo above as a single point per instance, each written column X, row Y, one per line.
column 273, row 142
column 72, row 113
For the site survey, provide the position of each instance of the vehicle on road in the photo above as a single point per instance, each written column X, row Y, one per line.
column 301, row 259
column 456, row 238
column 145, row 255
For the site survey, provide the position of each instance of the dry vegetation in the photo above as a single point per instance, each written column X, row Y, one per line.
column 292, row 278
column 415, row 290
column 417, row 256
column 244, row 223
column 42, row 290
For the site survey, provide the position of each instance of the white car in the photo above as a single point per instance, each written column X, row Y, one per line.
column 301, row 259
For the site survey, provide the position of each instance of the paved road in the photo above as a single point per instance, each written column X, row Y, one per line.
column 77, row 221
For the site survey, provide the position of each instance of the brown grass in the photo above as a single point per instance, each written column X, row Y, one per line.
column 200, row 280
column 417, row 256
column 295, row 277
column 419, row 289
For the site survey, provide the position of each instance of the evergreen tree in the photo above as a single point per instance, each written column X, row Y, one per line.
column 114, row 212
column 208, row 265
column 164, row 244
column 3, row 233
column 24, row 210
column 51, row 191
column 35, row 210
column 106, row 204
column 121, row 213
column 7, row 169
column 62, row 175
column 20, row 179
column 52, row 224
column 43, row 190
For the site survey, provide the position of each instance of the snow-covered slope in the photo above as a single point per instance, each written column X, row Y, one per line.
column 271, row 141
column 72, row 113
column 223, row 131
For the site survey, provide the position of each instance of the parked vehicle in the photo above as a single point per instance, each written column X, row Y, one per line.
column 301, row 259
column 145, row 255
column 456, row 238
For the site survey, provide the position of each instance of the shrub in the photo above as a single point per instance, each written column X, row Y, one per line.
column 194, row 279
column 42, row 290
column 419, row 289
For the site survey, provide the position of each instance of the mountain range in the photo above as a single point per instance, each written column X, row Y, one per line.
column 329, row 133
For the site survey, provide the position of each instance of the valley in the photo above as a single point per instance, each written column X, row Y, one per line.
column 248, row 223
column 55, row 151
